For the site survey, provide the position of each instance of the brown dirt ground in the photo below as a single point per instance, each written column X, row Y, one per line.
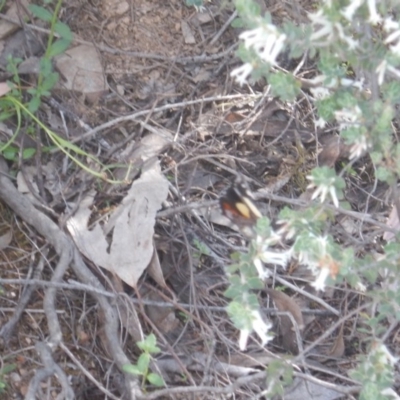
column 148, row 65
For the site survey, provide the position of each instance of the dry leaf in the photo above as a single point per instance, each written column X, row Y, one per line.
column 154, row 269
column 5, row 239
column 338, row 347
column 188, row 36
column 4, row 88
column 15, row 11
column 284, row 303
column 392, row 222
column 131, row 227
column 82, row 69
column 163, row 317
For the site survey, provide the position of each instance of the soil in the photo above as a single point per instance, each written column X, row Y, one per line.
column 166, row 69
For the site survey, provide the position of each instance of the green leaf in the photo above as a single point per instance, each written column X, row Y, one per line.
column 143, row 362
column 384, row 175
column 255, row 283
column 58, row 47
column 46, row 67
column 391, row 91
column 132, row 369
column 40, row 12
column 195, row 3
column 10, row 153
column 248, row 8
column 285, row 86
column 49, row 81
column 238, row 23
column 155, row 379
column 7, row 369
column 63, row 30
column 240, row 315
column 28, row 153
column 151, row 344
column 34, row 104
column 233, row 292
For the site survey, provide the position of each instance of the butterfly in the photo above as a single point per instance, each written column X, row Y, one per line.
column 237, row 204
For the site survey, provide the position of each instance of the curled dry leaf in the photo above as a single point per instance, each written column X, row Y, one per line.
column 154, row 269
column 286, row 304
column 338, row 347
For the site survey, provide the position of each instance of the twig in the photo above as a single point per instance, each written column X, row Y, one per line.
column 264, row 194
column 8, row 328
column 73, row 285
column 307, row 294
column 87, row 373
column 67, row 252
column 50, row 369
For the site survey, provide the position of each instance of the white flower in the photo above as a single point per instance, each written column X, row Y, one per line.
column 323, row 190
column 278, row 258
column 349, row 11
column 320, row 92
column 244, row 337
column 320, row 123
column 350, row 82
column 260, row 327
column 385, row 357
column 263, row 273
column 319, row 283
column 389, row 24
column 394, row 71
column 374, row 17
column 390, row 392
column 393, row 27
column 392, row 37
column 266, row 40
column 380, row 70
column 326, row 29
column 361, row 287
column 359, row 147
column 286, row 230
column 384, row 66
column 348, row 117
column 241, row 73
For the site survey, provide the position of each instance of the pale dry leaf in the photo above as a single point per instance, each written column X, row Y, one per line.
column 392, row 222
column 82, row 69
column 4, row 88
column 5, row 239
column 92, row 243
column 15, row 11
column 188, row 36
column 131, row 228
column 25, row 187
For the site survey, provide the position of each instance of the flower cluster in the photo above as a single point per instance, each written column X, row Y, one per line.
column 260, row 327
column 266, row 41
column 326, row 182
